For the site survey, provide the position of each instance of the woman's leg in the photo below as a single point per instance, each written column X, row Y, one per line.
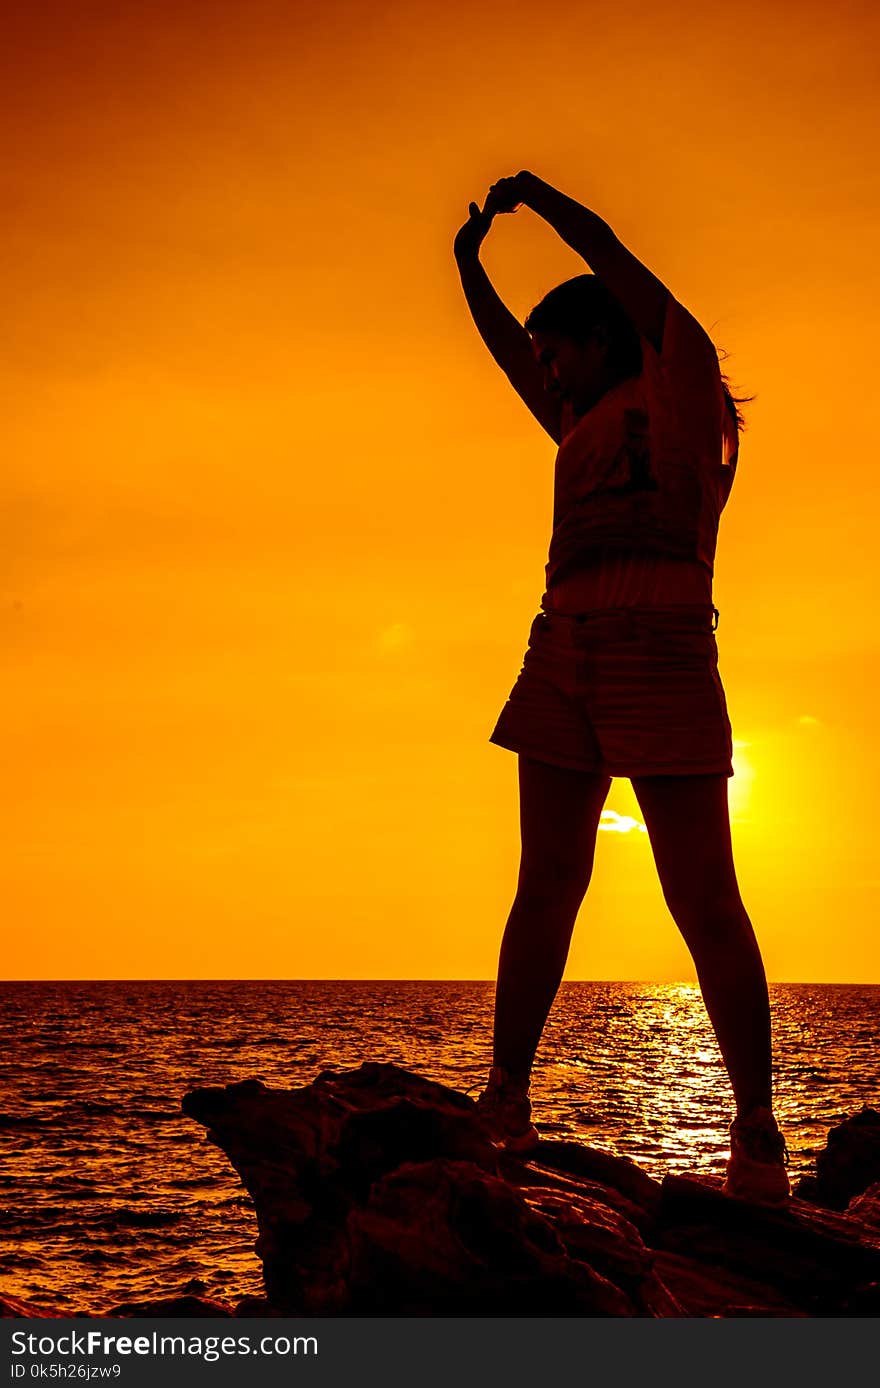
column 559, row 817
column 689, row 827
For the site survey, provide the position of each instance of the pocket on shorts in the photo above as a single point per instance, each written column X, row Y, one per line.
column 549, row 654
column 544, row 637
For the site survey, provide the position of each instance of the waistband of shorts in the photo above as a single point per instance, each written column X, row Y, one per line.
column 596, row 614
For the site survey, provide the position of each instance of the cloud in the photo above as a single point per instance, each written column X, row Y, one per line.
column 616, row 823
column 807, row 720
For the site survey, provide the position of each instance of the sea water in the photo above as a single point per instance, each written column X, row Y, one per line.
column 108, row 1193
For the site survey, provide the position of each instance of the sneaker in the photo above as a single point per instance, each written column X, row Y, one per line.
column 758, row 1158
column 506, row 1111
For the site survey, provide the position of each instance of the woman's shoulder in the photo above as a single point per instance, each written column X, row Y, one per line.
column 685, row 343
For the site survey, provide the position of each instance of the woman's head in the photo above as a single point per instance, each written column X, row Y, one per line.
column 587, row 343
column 584, row 340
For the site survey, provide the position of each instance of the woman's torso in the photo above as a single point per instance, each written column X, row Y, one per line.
column 640, row 483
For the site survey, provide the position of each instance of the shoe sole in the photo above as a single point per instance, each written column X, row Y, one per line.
column 524, row 1142
column 757, row 1197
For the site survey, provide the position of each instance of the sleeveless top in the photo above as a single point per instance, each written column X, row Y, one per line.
column 641, row 480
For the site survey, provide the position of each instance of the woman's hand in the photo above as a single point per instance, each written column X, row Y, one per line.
column 504, row 196
column 508, row 194
column 471, row 236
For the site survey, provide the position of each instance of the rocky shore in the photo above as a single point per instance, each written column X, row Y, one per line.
column 377, row 1193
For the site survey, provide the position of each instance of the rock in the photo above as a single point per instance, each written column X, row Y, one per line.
column 866, row 1207
column 447, row 1238
column 377, row 1189
column 849, row 1164
column 592, row 1164
column 377, row 1192
column 704, row 1290
column 807, row 1188
column 184, row 1307
column 310, row 1156
column 808, row 1255
column 257, row 1307
column 598, row 1235
column 863, row 1301
column 13, row 1307
column 194, row 1287
column 537, row 1172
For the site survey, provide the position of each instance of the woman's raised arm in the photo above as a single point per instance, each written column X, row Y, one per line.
column 637, row 290
column 503, row 334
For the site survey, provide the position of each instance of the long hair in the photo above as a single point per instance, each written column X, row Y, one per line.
column 577, row 306
column 732, row 401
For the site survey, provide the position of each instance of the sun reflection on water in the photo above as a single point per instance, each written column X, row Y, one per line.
column 669, row 1093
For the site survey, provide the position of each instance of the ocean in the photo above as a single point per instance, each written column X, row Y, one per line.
column 109, row 1194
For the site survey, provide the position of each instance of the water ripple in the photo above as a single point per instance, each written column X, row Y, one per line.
column 111, row 1194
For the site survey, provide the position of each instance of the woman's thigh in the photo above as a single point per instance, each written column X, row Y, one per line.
column 559, row 818
column 688, row 823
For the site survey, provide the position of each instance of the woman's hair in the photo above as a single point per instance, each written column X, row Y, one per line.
column 732, row 401
column 574, row 309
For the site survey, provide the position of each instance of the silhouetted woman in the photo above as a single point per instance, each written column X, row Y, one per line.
column 620, row 677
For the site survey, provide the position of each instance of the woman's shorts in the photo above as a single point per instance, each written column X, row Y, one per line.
column 622, row 691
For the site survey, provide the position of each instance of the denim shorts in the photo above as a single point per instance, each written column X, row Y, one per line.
column 621, row 691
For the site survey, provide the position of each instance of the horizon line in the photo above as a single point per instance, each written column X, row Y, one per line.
column 681, row 982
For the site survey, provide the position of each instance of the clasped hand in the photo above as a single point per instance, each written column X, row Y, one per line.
column 506, row 195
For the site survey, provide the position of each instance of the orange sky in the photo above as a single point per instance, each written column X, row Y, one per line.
column 276, row 524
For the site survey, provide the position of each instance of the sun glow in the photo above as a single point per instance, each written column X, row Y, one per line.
column 740, row 784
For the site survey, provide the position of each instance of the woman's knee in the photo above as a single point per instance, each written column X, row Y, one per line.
column 555, row 881
column 712, row 913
